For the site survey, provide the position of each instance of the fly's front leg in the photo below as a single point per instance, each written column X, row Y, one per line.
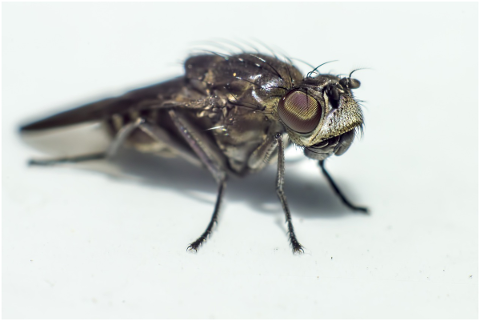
column 338, row 192
column 296, row 246
column 120, row 137
column 211, row 157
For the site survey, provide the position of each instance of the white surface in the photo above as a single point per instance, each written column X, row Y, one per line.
column 81, row 244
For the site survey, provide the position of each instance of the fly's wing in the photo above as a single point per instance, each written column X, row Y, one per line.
column 138, row 99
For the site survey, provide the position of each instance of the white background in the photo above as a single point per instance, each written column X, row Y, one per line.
column 81, row 243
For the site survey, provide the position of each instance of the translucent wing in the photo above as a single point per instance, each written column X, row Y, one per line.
column 137, row 99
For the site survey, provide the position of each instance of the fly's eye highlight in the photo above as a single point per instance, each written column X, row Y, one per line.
column 299, row 111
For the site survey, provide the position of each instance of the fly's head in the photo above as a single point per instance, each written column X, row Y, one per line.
column 321, row 115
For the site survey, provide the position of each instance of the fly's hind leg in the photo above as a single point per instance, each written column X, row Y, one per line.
column 339, row 193
column 211, row 157
column 118, row 140
column 73, row 159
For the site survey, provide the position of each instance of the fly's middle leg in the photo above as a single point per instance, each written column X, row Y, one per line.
column 211, row 157
column 339, row 192
column 118, row 140
column 195, row 245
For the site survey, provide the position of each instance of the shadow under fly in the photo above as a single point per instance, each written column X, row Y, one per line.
column 309, row 196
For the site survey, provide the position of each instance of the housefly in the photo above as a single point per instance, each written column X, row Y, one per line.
column 231, row 114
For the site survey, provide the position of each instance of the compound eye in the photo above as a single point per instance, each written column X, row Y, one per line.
column 299, row 111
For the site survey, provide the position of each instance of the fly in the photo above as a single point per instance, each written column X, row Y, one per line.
column 231, row 114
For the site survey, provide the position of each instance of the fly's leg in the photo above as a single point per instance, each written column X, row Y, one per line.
column 120, row 137
column 195, row 245
column 258, row 160
column 161, row 135
column 296, row 246
column 261, row 156
column 211, row 158
column 73, row 159
column 338, row 192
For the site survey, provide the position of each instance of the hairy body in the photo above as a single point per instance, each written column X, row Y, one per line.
column 231, row 115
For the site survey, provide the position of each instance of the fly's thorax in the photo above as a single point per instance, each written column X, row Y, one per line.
column 321, row 115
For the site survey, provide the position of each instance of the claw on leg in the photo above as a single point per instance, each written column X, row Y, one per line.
column 195, row 245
